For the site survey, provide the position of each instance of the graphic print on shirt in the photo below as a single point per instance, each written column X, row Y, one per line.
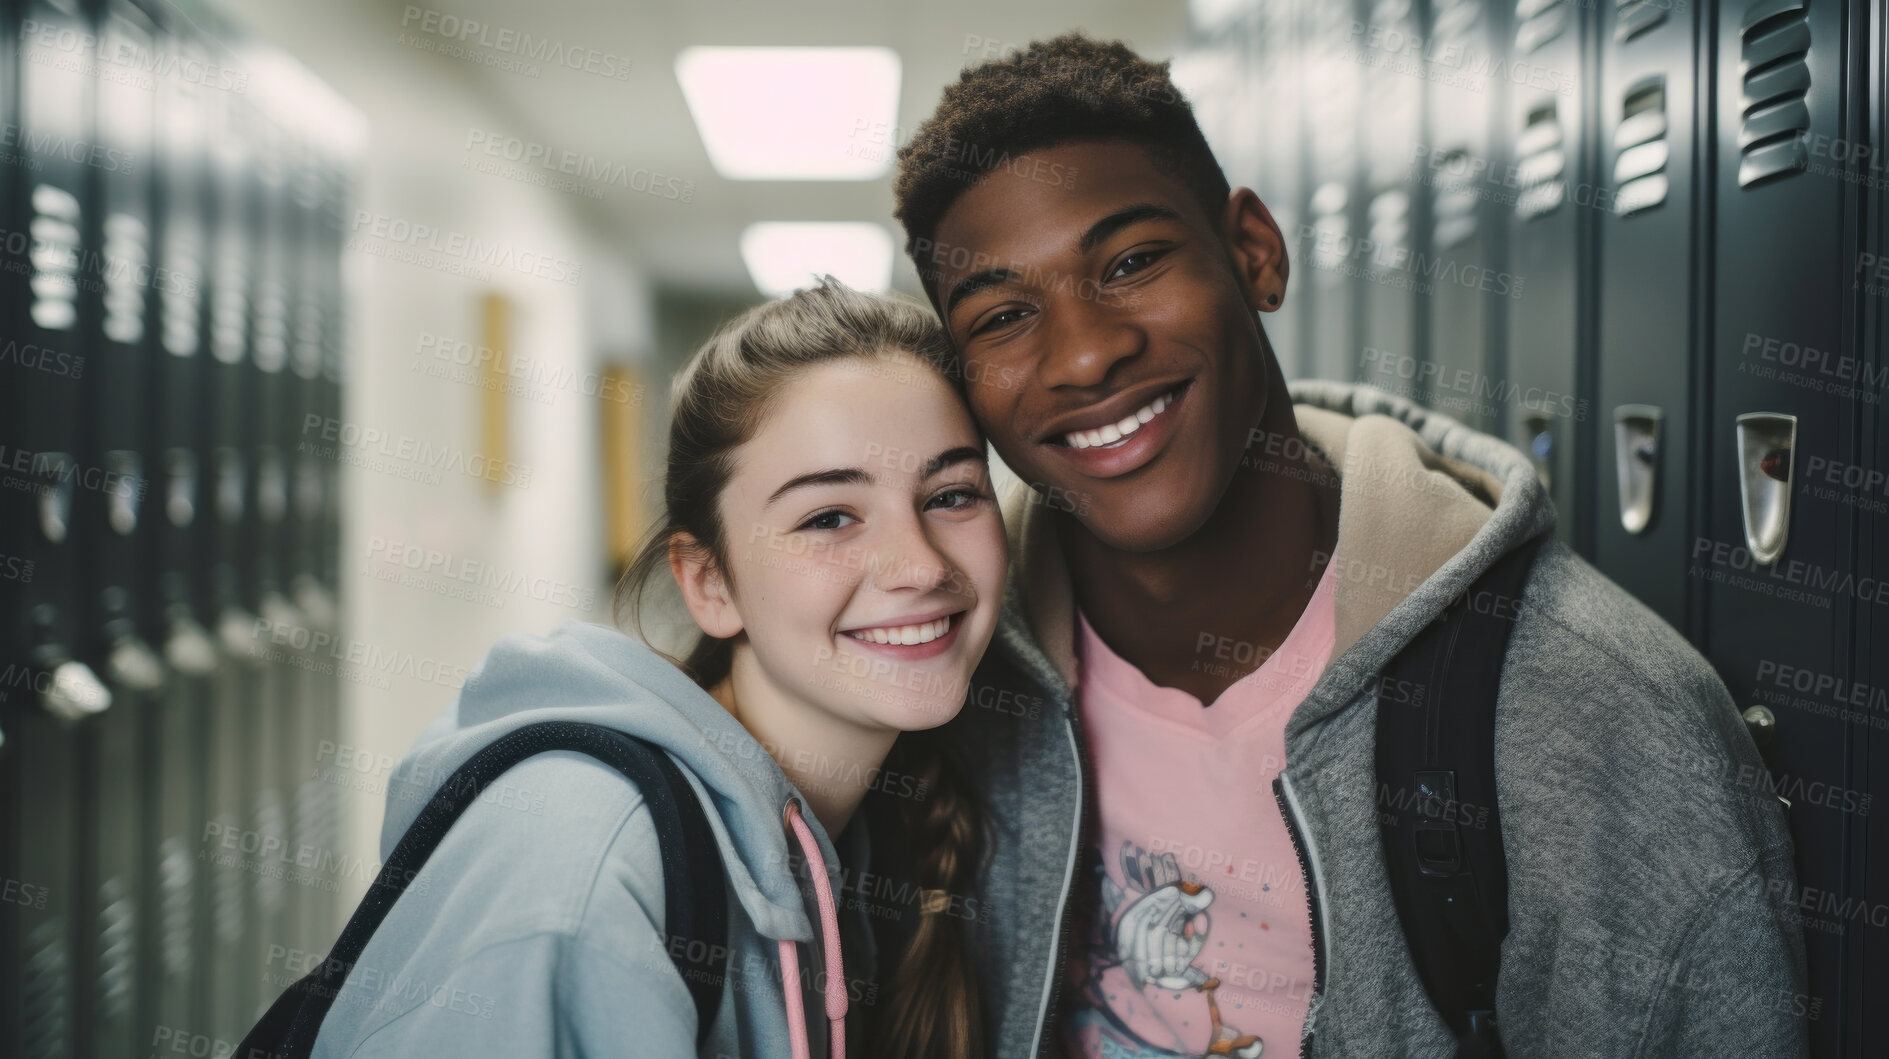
column 1154, row 930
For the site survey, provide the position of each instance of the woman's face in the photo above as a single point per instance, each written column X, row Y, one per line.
column 865, row 548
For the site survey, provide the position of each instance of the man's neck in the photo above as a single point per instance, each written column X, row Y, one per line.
column 1225, row 598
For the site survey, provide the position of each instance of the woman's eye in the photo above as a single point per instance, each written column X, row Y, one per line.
column 1128, row 266
column 954, row 499
column 1002, row 319
column 825, row 520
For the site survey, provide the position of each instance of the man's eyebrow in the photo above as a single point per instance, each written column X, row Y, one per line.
column 975, row 282
column 1122, row 218
column 837, row 476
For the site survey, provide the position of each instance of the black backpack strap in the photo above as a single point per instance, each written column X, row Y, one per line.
column 1437, row 814
column 695, row 918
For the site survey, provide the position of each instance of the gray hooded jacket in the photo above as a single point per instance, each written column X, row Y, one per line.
column 1640, row 907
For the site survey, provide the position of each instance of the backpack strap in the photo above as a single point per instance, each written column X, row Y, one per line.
column 695, row 919
column 1437, row 814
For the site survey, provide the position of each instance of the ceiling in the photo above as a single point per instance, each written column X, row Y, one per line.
column 642, row 121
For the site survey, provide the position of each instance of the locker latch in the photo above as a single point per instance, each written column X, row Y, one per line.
column 1765, row 441
column 1636, row 456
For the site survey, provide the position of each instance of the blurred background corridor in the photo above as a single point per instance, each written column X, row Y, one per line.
column 338, row 339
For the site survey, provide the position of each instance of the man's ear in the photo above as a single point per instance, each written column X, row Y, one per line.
column 1257, row 249
column 704, row 587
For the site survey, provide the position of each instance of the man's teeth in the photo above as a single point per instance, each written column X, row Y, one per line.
column 1114, row 432
column 905, row 634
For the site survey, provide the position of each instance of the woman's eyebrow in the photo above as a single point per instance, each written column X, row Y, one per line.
column 836, row 476
column 953, row 456
column 858, row 476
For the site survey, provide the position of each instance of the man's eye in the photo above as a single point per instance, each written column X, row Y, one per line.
column 825, row 520
column 1003, row 319
column 1135, row 262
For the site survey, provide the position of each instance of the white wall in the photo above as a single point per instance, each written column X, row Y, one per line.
column 419, row 108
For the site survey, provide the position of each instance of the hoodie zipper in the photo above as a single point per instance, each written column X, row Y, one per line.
column 1046, row 1017
column 1308, row 869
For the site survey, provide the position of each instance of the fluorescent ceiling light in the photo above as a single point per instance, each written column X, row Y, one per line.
column 783, row 256
column 794, row 113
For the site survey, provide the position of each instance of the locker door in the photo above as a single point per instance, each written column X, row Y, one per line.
column 52, row 690
column 1334, row 218
column 1553, row 203
column 1650, row 287
column 178, row 958
column 235, row 847
column 1279, row 113
column 270, row 339
column 1463, row 168
column 1393, row 94
column 1772, row 585
column 113, row 328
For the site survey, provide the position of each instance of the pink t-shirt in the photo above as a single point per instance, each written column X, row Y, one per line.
column 1203, row 930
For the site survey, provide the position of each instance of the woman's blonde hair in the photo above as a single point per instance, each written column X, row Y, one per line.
column 929, row 1008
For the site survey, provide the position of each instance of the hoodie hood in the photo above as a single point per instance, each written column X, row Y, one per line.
column 1426, row 505
column 588, row 672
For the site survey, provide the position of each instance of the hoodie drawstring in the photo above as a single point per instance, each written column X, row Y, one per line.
column 830, row 933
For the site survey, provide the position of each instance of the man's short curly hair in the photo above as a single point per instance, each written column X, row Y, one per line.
column 1067, row 89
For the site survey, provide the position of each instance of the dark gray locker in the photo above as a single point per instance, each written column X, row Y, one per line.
column 1334, row 215
column 114, row 321
column 276, row 426
column 1464, row 173
column 1390, row 121
column 1280, row 178
column 1773, row 593
column 176, row 957
column 239, row 683
column 1650, row 270
column 52, row 687
column 1553, row 206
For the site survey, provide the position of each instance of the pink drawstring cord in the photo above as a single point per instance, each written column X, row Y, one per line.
column 830, row 933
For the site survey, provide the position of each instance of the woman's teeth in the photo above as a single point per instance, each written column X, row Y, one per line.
column 1114, row 433
column 905, row 634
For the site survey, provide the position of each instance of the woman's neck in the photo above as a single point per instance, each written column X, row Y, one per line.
column 829, row 760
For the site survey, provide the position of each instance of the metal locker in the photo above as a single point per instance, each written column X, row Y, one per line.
column 1392, row 97
column 263, row 555
column 1781, row 404
column 1334, row 215
column 52, row 688
column 177, row 958
column 1279, row 168
column 1463, row 168
column 1551, row 214
column 233, row 846
column 113, row 319
column 1650, row 267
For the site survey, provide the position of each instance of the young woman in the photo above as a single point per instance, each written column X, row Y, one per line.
column 832, row 532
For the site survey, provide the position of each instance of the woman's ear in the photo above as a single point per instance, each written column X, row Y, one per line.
column 704, row 587
column 1258, row 250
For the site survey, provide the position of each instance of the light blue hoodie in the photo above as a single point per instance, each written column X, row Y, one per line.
column 536, row 927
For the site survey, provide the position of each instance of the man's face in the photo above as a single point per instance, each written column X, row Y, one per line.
column 1079, row 308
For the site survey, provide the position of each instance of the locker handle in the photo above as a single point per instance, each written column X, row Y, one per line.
column 188, row 647
column 75, row 692
column 1765, row 443
column 132, row 664
column 1636, row 461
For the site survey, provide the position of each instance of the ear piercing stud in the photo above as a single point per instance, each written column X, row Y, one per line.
column 1272, row 299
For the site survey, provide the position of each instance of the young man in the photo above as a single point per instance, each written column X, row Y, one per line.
column 1210, row 571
